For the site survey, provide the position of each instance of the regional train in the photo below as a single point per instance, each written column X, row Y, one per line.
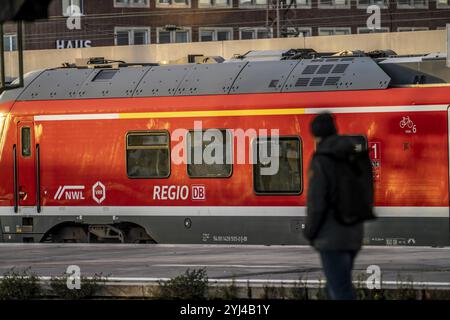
column 92, row 153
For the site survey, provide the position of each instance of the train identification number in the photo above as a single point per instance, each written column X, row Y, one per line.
column 194, row 192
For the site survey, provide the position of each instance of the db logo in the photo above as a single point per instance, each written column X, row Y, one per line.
column 98, row 192
column 198, row 193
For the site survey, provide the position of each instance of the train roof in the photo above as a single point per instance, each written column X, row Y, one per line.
column 269, row 72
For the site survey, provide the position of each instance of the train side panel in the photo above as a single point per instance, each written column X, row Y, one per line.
column 84, row 180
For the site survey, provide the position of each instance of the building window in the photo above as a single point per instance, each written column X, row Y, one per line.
column 131, row 3
column 219, row 165
column 297, row 4
column 406, row 29
column 334, row 31
column 298, row 32
column 131, row 36
column 255, row 33
column 412, row 4
column 303, row 3
column 148, row 154
column 288, row 178
column 215, row 34
column 67, row 5
column 10, row 42
column 252, row 3
column 173, row 3
column 334, row 4
column 443, row 3
column 214, row 3
column 367, row 30
column 365, row 3
column 180, row 35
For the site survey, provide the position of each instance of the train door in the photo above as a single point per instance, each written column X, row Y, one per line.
column 25, row 163
column 448, row 166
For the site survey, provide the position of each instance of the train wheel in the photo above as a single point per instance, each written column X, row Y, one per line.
column 67, row 234
column 98, row 233
column 137, row 234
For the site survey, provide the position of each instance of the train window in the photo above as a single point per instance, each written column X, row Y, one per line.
column 26, row 141
column 203, row 162
column 148, row 154
column 288, row 177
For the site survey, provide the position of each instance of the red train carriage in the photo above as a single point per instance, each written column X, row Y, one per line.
column 87, row 154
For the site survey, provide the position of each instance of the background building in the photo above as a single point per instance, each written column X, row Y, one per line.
column 135, row 22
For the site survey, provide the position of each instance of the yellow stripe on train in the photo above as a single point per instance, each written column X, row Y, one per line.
column 211, row 113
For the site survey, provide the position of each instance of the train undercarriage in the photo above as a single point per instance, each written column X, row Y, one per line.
column 238, row 230
column 97, row 233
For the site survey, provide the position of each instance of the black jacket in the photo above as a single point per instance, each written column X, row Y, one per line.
column 322, row 229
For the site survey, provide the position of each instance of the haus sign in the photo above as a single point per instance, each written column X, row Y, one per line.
column 71, row 44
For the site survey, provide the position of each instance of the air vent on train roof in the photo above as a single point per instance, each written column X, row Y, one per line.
column 332, row 81
column 105, row 75
column 324, row 69
column 315, row 82
column 361, row 73
column 302, row 82
column 310, row 69
column 273, row 83
column 340, row 68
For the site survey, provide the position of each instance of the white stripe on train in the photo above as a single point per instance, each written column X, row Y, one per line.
column 211, row 211
column 62, row 117
column 374, row 109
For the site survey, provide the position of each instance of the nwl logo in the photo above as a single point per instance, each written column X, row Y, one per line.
column 70, row 193
column 74, row 195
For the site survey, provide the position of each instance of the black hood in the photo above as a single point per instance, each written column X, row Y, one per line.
column 337, row 146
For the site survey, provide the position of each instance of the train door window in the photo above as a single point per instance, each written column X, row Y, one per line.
column 204, row 160
column 26, row 141
column 148, row 154
column 288, row 177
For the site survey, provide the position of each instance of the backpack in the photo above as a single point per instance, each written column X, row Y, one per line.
column 353, row 198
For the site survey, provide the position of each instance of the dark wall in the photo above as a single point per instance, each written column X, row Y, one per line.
column 101, row 18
